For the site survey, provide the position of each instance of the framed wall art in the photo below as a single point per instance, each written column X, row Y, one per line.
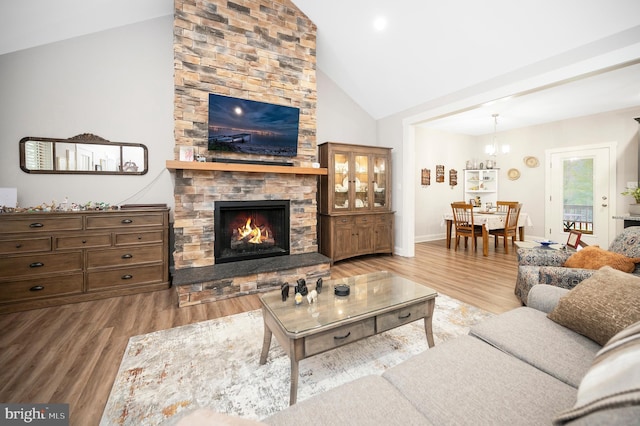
column 453, row 177
column 425, row 177
column 440, row 173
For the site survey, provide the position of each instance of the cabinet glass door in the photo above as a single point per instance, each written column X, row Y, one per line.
column 341, row 179
column 379, row 182
column 361, row 182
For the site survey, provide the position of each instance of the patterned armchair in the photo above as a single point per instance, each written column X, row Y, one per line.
column 544, row 266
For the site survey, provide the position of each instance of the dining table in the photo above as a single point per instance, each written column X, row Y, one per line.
column 488, row 220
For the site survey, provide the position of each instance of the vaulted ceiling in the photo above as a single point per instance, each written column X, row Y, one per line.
column 429, row 55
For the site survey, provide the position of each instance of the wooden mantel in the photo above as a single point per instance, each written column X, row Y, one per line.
column 238, row 167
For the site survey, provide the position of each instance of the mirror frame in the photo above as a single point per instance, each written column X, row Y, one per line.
column 84, row 139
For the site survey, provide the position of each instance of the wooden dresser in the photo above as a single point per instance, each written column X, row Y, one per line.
column 55, row 258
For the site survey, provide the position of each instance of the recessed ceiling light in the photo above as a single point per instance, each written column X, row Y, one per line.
column 380, row 23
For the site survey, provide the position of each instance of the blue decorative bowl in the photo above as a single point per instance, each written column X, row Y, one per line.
column 546, row 243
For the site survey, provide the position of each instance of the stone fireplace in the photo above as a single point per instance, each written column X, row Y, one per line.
column 250, row 230
column 262, row 50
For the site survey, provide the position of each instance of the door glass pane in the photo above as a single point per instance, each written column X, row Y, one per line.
column 362, row 181
column 341, row 179
column 379, row 182
column 577, row 202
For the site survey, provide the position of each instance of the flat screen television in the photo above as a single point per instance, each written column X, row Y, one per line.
column 251, row 127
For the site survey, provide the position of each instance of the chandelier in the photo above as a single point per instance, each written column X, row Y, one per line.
column 495, row 148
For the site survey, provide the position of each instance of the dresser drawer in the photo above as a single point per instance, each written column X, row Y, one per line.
column 38, row 264
column 365, row 220
column 124, row 256
column 35, row 224
column 125, row 277
column 121, row 221
column 344, row 221
column 125, row 238
column 25, row 245
column 13, row 291
column 385, row 218
column 401, row 316
column 83, row 241
column 339, row 336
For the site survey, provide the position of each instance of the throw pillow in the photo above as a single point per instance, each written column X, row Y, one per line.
column 612, row 382
column 600, row 306
column 593, row 257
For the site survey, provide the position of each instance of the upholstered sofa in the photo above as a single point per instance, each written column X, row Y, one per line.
column 545, row 266
column 517, row 368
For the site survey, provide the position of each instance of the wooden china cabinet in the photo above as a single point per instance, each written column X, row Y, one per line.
column 354, row 200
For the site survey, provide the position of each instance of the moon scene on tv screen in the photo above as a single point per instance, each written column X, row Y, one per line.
column 251, row 127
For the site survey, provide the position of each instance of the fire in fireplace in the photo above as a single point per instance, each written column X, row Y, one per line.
column 250, row 229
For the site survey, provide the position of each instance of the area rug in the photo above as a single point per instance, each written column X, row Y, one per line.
column 215, row 364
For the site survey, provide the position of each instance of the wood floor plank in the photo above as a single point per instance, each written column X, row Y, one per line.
column 72, row 353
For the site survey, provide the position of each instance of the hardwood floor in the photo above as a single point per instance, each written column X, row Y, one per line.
column 71, row 354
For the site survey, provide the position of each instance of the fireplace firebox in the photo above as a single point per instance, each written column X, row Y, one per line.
column 250, row 230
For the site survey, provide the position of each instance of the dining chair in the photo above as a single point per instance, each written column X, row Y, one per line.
column 510, row 227
column 503, row 206
column 464, row 225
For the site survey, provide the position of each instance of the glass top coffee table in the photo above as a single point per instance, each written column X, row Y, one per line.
column 377, row 302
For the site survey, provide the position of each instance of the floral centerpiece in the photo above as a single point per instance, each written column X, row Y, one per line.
column 634, row 209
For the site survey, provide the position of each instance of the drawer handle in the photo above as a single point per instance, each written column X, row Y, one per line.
column 36, row 225
column 404, row 316
column 127, row 221
column 127, row 256
column 36, row 288
column 127, row 277
column 36, row 265
column 18, row 245
column 342, row 337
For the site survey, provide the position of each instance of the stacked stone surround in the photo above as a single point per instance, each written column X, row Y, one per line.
column 262, row 50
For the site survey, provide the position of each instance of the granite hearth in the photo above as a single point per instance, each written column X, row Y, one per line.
column 221, row 281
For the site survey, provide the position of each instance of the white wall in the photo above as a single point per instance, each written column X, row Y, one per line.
column 617, row 126
column 339, row 118
column 117, row 84
column 438, row 147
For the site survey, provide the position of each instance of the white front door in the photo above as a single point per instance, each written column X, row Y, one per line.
column 580, row 193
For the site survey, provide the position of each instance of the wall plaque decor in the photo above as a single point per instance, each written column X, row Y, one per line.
column 440, row 173
column 531, row 161
column 425, row 178
column 513, row 174
column 453, row 177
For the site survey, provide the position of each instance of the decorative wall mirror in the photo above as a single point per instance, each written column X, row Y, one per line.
column 82, row 154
